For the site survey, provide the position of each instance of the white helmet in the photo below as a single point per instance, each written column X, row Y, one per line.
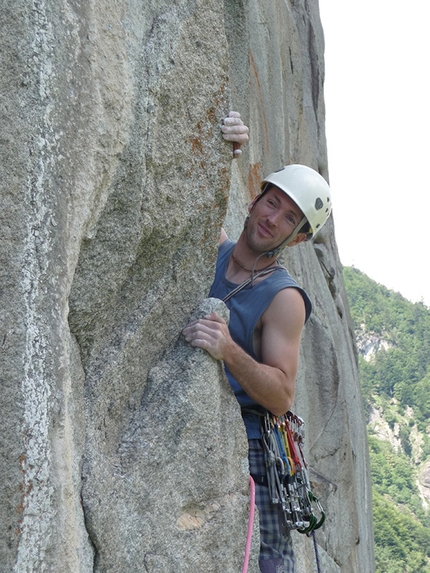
column 308, row 189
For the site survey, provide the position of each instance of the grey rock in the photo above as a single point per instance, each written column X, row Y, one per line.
column 122, row 448
column 179, row 475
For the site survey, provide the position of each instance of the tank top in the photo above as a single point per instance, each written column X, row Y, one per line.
column 246, row 307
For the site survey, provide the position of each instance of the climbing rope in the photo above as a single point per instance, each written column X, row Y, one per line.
column 287, row 479
column 317, row 557
column 250, row 527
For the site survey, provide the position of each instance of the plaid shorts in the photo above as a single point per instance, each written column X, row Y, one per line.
column 275, row 547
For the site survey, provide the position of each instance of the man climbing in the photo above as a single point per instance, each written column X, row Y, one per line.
column 260, row 346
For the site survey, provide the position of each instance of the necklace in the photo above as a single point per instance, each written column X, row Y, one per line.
column 250, row 270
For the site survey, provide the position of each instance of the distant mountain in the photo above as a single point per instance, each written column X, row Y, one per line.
column 393, row 340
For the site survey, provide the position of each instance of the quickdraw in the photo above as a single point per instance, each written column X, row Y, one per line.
column 286, row 471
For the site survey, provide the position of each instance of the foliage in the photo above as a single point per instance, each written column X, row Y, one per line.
column 396, row 381
column 403, row 544
column 403, row 370
column 393, row 474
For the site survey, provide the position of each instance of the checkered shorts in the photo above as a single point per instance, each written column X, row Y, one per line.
column 276, row 552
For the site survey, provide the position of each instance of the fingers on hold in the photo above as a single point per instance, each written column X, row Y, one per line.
column 236, row 138
column 197, row 343
column 215, row 317
column 234, row 124
column 235, row 128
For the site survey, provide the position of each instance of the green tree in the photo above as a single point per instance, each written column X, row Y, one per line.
column 396, row 381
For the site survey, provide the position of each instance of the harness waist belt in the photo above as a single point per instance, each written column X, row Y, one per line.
column 261, row 480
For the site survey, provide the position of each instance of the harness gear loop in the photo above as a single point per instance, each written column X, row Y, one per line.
column 282, row 439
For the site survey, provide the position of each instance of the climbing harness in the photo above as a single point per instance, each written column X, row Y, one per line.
column 286, row 473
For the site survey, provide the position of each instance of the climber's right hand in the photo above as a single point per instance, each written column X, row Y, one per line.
column 234, row 130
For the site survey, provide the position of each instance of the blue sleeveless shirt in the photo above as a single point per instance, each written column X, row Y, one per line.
column 246, row 308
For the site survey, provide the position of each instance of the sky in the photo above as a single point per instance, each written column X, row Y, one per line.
column 377, row 96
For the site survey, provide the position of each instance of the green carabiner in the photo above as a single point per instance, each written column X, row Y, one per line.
column 313, row 521
column 321, row 510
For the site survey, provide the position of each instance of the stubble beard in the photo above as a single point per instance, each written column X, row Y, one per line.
column 256, row 244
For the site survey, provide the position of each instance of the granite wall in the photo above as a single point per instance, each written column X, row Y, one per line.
column 122, row 449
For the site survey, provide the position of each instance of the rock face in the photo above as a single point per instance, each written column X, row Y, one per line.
column 424, row 483
column 123, row 449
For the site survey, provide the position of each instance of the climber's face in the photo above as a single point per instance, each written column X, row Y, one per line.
column 272, row 218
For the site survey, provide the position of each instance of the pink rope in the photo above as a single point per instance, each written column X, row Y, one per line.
column 250, row 524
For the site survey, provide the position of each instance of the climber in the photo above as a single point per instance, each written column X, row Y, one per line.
column 260, row 346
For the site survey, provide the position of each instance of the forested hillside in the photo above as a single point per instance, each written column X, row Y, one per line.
column 393, row 339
